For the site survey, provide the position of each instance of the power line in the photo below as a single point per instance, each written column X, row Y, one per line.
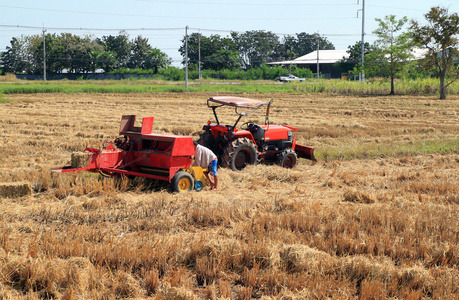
column 251, row 4
column 397, row 8
column 280, row 34
column 158, row 29
column 92, row 29
column 177, row 17
column 90, row 13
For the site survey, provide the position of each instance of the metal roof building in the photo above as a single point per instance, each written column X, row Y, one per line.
column 325, row 59
column 323, row 56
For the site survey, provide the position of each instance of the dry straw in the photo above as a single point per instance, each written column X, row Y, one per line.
column 375, row 218
column 80, row 159
column 15, row 190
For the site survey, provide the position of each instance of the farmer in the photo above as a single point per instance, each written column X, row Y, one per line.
column 206, row 159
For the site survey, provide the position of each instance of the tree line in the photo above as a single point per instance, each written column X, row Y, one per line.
column 76, row 54
column 250, row 49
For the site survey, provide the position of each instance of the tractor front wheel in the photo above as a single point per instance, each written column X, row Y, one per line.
column 182, row 182
column 287, row 158
column 238, row 154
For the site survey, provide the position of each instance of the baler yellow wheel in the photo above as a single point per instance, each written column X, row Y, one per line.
column 182, row 182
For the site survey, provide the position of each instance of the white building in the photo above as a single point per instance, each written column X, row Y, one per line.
column 324, row 58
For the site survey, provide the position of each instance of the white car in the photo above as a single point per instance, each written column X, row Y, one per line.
column 290, row 78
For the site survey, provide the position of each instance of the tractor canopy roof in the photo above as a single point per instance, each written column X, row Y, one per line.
column 237, row 101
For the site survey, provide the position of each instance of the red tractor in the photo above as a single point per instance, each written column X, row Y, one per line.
column 251, row 143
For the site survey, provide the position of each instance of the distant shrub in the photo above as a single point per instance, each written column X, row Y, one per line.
column 172, row 73
column 131, row 71
column 264, row 72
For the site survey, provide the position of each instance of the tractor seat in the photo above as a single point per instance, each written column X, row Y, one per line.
column 258, row 132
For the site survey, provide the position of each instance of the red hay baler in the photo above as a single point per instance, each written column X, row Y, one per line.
column 141, row 153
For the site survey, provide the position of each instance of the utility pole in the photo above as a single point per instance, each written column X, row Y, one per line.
column 44, row 54
column 362, row 74
column 318, row 46
column 199, row 54
column 186, row 57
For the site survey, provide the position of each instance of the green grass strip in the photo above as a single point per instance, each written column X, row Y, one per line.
column 405, row 87
column 3, row 99
column 380, row 150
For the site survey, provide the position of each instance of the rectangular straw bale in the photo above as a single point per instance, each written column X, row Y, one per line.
column 15, row 189
column 80, row 159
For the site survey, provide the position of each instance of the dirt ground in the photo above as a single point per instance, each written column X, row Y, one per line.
column 370, row 219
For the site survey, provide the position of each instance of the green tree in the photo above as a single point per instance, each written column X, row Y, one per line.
column 82, row 55
column 392, row 50
column 138, row 57
column 194, row 47
column 58, row 56
column 77, row 54
column 62, row 52
column 255, row 47
column 287, row 49
column 249, row 49
column 104, row 60
column 30, row 49
column 120, row 46
column 223, row 59
column 14, row 59
column 376, row 64
column 303, row 43
column 156, row 59
column 355, row 52
column 439, row 37
column 307, row 43
column 352, row 63
column 68, row 52
column 213, row 51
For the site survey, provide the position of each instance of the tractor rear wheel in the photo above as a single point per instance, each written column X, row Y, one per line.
column 238, row 154
column 182, row 182
column 287, row 158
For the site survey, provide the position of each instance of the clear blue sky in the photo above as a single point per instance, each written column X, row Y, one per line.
column 164, row 21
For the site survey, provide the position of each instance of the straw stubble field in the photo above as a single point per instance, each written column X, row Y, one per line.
column 376, row 217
